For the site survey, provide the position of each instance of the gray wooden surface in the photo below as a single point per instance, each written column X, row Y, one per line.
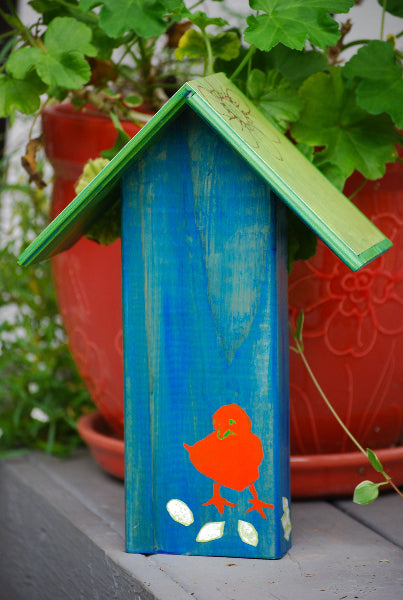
column 62, row 538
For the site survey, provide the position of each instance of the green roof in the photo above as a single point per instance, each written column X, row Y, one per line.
column 293, row 178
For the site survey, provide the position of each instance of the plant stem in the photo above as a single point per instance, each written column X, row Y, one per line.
column 358, row 189
column 394, row 486
column 208, row 65
column 243, row 62
column 322, row 393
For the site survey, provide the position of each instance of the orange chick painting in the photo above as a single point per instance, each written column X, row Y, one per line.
column 230, row 456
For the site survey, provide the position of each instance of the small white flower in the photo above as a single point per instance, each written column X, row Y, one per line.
column 39, row 415
column 33, row 387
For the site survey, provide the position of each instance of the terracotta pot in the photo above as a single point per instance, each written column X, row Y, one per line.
column 88, row 276
column 353, row 336
column 353, row 329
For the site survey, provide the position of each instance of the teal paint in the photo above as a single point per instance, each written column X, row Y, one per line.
column 205, row 325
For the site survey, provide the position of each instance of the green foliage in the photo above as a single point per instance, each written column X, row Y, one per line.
column 366, row 492
column 41, row 393
column 380, row 82
column 394, row 7
column 293, row 22
column 60, row 60
column 351, row 138
column 275, row 96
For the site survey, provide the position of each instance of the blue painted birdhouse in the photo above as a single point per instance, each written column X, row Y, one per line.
column 204, row 187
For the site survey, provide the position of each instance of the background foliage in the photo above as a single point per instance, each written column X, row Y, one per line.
column 41, row 393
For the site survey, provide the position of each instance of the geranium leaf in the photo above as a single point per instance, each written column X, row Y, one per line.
column 351, row 138
column 18, row 94
column 191, row 44
column 201, row 20
column 145, row 17
column 296, row 66
column 225, row 45
column 22, row 61
column 70, row 71
column 381, row 80
column 273, row 94
column 66, row 34
column 394, row 7
column 292, row 22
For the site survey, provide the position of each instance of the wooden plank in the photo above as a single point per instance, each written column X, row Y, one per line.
column 62, row 527
column 332, row 557
column 205, row 321
column 383, row 516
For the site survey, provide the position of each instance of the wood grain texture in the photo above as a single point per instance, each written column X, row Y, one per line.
column 205, row 325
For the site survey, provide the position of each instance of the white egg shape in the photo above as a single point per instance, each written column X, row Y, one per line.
column 248, row 533
column 211, row 531
column 180, row 512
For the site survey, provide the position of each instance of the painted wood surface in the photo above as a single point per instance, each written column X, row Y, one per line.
column 205, row 326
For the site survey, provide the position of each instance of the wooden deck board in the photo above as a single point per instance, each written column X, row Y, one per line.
column 62, row 537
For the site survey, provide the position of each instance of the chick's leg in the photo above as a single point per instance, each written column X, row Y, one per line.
column 218, row 501
column 257, row 504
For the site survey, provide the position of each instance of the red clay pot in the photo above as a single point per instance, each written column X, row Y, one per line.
column 353, row 329
column 353, row 336
column 88, row 276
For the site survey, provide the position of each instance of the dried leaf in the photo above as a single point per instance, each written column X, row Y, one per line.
column 29, row 162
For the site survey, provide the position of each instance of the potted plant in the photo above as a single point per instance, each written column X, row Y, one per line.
column 287, row 57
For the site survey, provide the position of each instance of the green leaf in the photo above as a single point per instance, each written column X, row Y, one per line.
column 133, row 100
column 19, row 94
column 352, row 139
column 65, row 35
column 121, row 139
column 273, row 94
column 299, row 326
column 293, row 22
column 144, row 17
column 394, row 7
column 86, row 5
column 69, row 71
column 22, row 61
column 366, row 492
column 106, row 229
column 381, row 80
column 225, row 45
column 62, row 62
column 201, row 20
column 256, row 84
column 191, row 44
column 295, row 65
column 374, row 460
column 302, row 241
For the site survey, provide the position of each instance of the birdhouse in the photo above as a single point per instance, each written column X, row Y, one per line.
column 204, row 188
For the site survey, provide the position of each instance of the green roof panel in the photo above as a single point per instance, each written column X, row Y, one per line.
column 294, row 179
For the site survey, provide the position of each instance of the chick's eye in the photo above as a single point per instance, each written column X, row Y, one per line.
column 232, row 422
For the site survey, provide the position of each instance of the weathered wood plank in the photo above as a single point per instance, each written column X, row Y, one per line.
column 205, row 314
column 383, row 516
column 61, row 525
